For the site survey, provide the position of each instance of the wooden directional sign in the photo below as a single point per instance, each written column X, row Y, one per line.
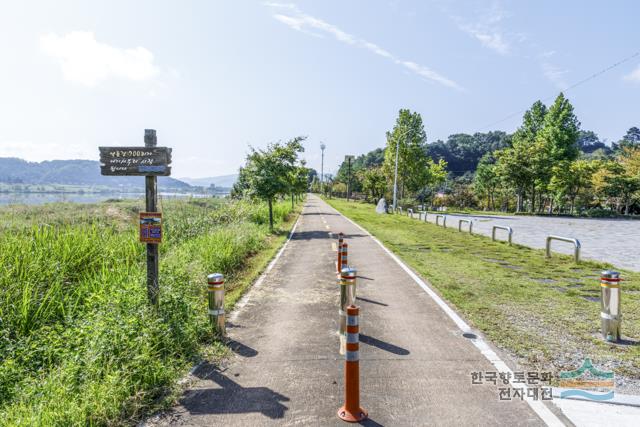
column 136, row 161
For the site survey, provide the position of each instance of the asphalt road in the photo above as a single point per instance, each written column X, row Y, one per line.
column 415, row 364
column 615, row 241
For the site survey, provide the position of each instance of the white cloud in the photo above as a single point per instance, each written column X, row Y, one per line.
column 86, row 61
column 633, row 76
column 555, row 74
column 490, row 38
column 487, row 29
column 302, row 22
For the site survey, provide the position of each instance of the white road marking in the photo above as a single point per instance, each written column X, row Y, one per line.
column 538, row 407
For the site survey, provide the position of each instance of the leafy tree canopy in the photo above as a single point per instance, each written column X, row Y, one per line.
column 462, row 152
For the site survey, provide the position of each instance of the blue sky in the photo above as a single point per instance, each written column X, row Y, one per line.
column 215, row 76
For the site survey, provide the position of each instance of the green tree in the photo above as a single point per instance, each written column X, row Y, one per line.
column 613, row 181
column 374, row 183
column 371, row 159
column 300, row 181
column 409, row 136
column 517, row 166
column 557, row 143
column 589, row 142
column 630, row 139
column 570, row 179
column 268, row 173
column 463, row 152
column 486, row 181
column 436, row 173
column 560, row 130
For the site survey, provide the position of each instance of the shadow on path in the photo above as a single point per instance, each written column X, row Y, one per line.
column 370, row 423
column 319, row 213
column 241, row 349
column 232, row 398
column 370, row 301
column 382, row 345
column 309, row 235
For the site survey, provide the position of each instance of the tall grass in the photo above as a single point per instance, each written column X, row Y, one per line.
column 78, row 342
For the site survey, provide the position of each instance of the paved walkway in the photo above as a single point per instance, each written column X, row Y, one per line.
column 415, row 364
column 610, row 240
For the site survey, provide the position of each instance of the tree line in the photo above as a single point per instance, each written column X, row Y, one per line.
column 274, row 172
column 548, row 165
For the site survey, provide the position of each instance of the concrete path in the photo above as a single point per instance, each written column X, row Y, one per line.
column 415, row 364
column 610, row 240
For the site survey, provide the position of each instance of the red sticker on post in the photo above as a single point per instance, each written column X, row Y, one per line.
column 151, row 227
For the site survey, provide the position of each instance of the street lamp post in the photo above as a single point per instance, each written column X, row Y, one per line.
column 395, row 176
column 348, row 159
column 322, row 147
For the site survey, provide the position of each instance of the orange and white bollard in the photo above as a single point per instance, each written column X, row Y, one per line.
column 340, row 243
column 351, row 410
column 347, row 283
column 344, row 257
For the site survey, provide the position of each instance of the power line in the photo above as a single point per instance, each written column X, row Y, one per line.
column 573, row 86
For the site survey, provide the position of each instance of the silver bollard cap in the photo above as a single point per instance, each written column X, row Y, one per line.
column 610, row 274
column 215, row 278
column 349, row 272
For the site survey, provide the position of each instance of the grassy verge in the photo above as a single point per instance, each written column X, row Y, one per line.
column 79, row 344
column 543, row 311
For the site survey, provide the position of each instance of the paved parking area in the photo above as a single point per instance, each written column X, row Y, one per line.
column 616, row 241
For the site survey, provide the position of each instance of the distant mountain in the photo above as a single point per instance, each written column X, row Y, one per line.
column 73, row 172
column 225, row 181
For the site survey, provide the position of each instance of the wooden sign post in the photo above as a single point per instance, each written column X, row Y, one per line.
column 149, row 161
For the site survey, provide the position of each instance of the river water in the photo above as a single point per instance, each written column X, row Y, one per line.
column 42, row 198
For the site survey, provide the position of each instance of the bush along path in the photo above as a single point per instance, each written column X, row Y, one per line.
column 79, row 344
column 544, row 312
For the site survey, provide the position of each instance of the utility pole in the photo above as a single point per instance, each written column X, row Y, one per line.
column 348, row 159
column 322, row 147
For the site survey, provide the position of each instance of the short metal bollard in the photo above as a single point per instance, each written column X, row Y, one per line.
column 347, row 294
column 351, row 411
column 410, row 212
column 215, row 291
column 500, row 227
column 576, row 246
column 444, row 220
column 340, row 243
column 610, row 315
column 468, row 221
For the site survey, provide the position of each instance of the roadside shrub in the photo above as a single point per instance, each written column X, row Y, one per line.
column 79, row 344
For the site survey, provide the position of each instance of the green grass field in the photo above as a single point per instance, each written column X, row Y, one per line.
column 545, row 312
column 79, row 345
